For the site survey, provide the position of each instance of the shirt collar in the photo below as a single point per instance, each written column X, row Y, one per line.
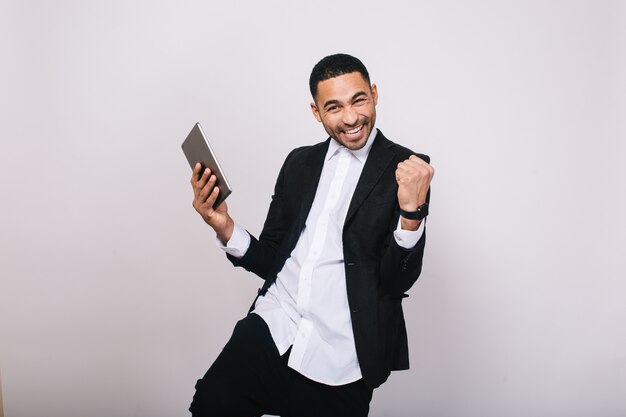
column 360, row 154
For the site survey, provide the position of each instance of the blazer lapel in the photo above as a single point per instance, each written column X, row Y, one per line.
column 377, row 161
column 313, row 169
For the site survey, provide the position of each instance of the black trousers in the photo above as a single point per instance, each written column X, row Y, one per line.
column 249, row 378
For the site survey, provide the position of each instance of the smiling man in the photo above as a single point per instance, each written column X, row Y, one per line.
column 342, row 243
column 346, row 106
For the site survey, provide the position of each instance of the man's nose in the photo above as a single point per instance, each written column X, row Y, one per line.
column 350, row 116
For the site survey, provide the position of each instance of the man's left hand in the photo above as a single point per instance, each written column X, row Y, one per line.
column 413, row 176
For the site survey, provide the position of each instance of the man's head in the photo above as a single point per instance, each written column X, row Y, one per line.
column 333, row 66
column 343, row 99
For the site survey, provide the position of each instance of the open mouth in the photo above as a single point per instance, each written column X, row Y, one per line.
column 354, row 131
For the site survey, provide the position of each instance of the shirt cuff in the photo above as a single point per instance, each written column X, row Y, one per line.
column 407, row 239
column 238, row 244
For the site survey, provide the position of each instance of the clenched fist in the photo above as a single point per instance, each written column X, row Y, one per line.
column 413, row 176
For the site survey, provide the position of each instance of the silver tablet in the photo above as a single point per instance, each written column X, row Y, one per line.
column 197, row 149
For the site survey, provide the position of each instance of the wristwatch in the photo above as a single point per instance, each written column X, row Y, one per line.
column 419, row 214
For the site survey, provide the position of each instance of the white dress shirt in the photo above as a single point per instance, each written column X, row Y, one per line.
column 307, row 307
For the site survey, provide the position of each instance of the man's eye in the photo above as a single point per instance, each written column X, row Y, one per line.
column 359, row 101
column 332, row 108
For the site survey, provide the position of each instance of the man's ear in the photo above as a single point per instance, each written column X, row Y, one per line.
column 375, row 94
column 316, row 112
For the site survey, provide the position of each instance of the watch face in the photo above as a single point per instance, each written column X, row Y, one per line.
column 423, row 211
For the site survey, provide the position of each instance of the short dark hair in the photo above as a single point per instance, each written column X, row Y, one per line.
column 333, row 66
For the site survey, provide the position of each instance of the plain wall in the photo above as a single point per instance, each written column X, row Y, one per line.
column 113, row 296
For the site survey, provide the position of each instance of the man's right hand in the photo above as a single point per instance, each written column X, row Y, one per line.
column 205, row 193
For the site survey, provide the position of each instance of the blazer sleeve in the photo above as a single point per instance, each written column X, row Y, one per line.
column 400, row 267
column 264, row 252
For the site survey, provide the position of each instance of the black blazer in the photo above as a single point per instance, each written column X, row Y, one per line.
column 378, row 271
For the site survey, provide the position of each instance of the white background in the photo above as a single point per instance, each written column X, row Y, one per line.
column 113, row 297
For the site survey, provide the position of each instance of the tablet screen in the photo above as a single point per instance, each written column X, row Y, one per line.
column 197, row 149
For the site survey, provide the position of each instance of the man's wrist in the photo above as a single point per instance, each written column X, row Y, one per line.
column 225, row 233
column 408, row 224
column 408, row 238
column 415, row 214
column 238, row 244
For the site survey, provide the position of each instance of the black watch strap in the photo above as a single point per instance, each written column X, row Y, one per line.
column 419, row 214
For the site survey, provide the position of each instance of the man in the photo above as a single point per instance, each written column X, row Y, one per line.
column 342, row 243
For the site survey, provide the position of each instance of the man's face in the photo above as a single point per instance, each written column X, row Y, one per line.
column 346, row 106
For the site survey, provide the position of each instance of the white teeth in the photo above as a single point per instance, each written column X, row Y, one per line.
column 353, row 131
